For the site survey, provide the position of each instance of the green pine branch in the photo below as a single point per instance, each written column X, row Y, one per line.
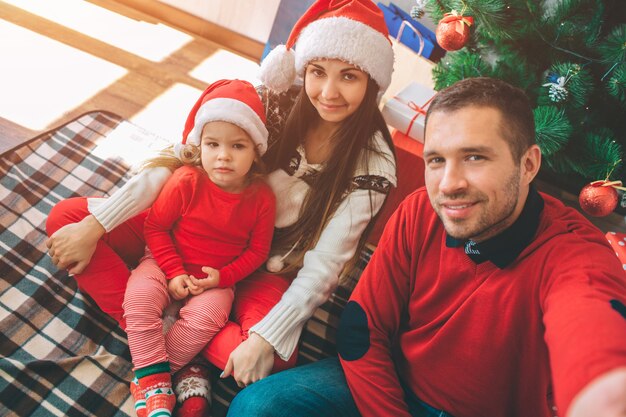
column 552, row 129
column 568, row 59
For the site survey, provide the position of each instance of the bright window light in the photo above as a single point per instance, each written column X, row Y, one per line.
column 147, row 40
column 224, row 64
column 131, row 144
column 167, row 113
column 42, row 78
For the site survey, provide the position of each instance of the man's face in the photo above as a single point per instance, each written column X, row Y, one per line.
column 473, row 183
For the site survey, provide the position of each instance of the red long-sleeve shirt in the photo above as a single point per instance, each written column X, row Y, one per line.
column 194, row 223
column 475, row 339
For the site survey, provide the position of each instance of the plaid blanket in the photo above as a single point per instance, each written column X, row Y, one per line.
column 59, row 354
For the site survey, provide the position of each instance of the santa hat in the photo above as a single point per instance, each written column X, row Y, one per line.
column 350, row 30
column 232, row 101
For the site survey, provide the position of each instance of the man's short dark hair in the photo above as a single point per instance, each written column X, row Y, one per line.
column 518, row 123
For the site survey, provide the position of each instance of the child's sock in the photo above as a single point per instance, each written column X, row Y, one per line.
column 139, row 397
column 155, row 382
column 193, row 391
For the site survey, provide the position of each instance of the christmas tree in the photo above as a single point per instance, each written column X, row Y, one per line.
column 570, row 58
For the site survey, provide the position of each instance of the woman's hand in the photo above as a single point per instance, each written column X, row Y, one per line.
column 177, row 287
column 252, row 360
column 72, row 246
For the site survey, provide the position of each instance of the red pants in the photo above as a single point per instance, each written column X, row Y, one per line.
column 106, row 276
column 120, row 250
column 254, row 298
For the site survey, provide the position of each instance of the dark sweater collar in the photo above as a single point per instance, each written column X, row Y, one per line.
column 506, row 246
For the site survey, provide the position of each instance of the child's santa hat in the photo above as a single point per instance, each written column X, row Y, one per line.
column 232, row 101
column 350, row 30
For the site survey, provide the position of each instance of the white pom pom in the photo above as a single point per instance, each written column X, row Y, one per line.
column 275, row 264
column 278, row 69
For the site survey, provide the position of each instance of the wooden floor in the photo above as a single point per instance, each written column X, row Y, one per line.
column 35, row 29
column 153, row 92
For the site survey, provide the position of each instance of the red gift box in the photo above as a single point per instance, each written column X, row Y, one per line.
column 410, row 176
column 618, row 243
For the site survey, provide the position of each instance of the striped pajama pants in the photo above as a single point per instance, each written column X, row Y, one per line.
column 201, row 317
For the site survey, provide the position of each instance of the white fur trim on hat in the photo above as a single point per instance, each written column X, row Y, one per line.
column 278, row 70
column 348, row 40
column 232, row 111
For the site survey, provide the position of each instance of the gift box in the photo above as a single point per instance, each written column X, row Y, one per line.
column 618, row 243
column 409, row 174
column 288, row 13
column 394, row 17
column 406, row 111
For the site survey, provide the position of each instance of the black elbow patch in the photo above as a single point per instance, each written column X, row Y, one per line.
column 353, row 338
column 617, row 306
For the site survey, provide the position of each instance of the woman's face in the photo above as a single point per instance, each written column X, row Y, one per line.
column 335, row 88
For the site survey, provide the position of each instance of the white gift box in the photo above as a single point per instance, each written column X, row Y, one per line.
column 406, row 111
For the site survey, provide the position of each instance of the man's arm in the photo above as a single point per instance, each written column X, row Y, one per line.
column 605, row 396
column 585, row 327
column 371, row 320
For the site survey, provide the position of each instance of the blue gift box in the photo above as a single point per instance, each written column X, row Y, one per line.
column 394, row 17
column 288, row 13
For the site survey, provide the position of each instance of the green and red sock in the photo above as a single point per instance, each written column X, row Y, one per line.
column 155, row 382
column 139, row 397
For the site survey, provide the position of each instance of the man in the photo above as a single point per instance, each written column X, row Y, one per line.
column 483, row 298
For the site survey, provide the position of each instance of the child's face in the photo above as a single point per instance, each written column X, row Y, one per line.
column 227, row 155
column 335, row 88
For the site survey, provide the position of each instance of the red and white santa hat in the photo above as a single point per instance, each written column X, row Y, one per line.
column 350, row 30
column 232, row 101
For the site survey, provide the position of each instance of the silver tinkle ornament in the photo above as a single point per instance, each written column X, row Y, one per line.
column 557, row 92
column 417, row 12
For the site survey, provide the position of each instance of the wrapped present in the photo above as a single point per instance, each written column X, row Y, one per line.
column 394, row 16
column 618, row 243
column 288, row 13
column 406, row 111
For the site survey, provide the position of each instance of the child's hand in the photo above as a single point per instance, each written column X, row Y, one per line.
column 194, row 286
column 177, row 287
column 212, row 279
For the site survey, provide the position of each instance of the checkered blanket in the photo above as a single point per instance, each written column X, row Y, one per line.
column 59, row 354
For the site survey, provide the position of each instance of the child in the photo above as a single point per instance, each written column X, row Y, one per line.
column 212, row 213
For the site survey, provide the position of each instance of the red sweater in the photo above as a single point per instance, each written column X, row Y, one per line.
column 474, row 339
column 194, row 223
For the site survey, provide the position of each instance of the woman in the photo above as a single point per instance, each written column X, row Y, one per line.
column 331, row 169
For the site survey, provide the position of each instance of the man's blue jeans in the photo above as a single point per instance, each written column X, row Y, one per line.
column 317, row 389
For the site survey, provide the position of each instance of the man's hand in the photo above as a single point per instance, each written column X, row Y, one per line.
column 251, row 361
column 604, row 396
column 177, row 287
column 72, row 246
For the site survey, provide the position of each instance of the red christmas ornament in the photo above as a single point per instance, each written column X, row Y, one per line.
column 453, row 31
column 599, row 198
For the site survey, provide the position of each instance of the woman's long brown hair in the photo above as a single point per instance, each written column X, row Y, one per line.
column 350, row 142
